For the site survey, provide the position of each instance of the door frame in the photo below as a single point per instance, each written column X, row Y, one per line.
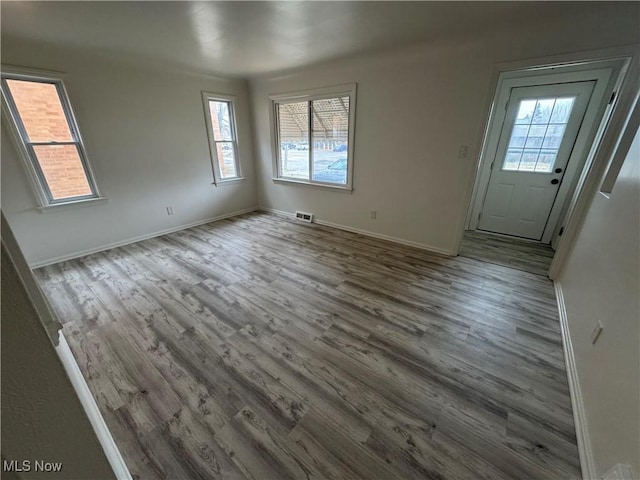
column 604, row 73
column 603, row 147
column 582, row 92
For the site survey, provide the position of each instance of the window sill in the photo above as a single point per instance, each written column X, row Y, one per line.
column 222, row 183
column 69, row 205
column 340, row 188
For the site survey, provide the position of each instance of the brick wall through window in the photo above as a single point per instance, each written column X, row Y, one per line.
column 44, row 120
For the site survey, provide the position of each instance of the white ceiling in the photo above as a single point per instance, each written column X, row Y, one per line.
column 252, row 38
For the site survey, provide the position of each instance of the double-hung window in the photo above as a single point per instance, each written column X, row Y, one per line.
column 314, row 132
column 223, row 141
column 49, row 138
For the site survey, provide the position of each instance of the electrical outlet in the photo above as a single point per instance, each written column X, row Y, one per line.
column 169, row 210
column 462, row 151
column 596, row 332
column 374, row 214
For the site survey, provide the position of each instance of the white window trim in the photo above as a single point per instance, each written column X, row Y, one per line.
column 215, row 166
column 38, row 183
column 307, row 96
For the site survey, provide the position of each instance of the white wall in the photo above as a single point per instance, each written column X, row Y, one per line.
column 416, row 106
column 601, row 281
column 145, row 136
column 146, row 139
column 42, row 418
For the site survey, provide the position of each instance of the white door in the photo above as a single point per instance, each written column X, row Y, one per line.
column 538, row 134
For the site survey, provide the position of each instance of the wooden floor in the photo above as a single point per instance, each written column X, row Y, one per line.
column 508, row 251
column 258, row 347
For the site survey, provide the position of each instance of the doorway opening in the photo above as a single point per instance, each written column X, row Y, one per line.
column 543, row 128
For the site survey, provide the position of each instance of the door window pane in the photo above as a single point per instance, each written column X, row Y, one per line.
column 562, row 110
column 543, row 110
column 518, row 136
column 546, row 159
column 553, row 137
column 512, row 160
column 525, row 112
column 528, row 161
column 330, row 139
column 535, row 137
column 539, row 127
column 293, row 123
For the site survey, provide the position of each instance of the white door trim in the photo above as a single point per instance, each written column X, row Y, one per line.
column 629, row 53
column 603, row 77
column 523, row 182
column 585, row 451
column 90, row 407
column 620, row 120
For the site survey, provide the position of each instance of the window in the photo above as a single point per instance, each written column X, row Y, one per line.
column 314, row 136
column 537, row 134
column 49, row 137
column 223, row 141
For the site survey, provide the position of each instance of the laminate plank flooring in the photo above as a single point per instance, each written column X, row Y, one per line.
column 508, row 251
column 262, row 348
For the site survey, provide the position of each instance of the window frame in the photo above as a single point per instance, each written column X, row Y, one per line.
column 213, row 152
column 25, row 147
column 336, row 91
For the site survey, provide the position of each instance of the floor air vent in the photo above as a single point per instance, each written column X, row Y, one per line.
column 305, row 217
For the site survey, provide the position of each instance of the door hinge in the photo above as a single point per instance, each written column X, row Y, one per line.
column 491, row 167
column 479, row 216
column 561, row 231
column 613, row 96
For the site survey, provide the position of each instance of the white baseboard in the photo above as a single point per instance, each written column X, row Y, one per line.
column 282, row 213
column 91, row 409
column 619, row 472
column 128, row 241
column 587, row 462
column 368, row 233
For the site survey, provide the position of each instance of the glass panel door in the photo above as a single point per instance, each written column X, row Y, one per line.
column 537, row 134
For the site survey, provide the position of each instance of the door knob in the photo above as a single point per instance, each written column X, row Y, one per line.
column 558, row 170
column 555, row 181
